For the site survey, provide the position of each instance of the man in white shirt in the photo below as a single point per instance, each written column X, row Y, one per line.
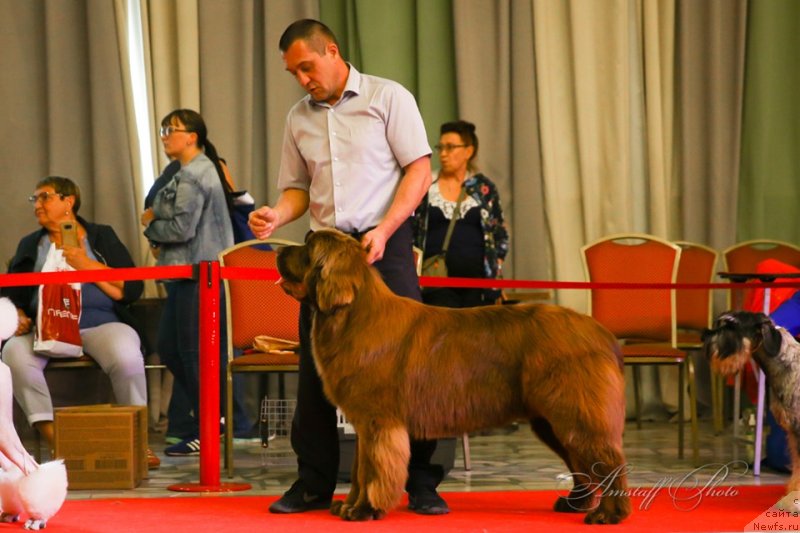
column 355, row 154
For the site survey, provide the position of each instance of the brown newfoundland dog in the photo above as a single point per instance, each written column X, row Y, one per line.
column 398, row 368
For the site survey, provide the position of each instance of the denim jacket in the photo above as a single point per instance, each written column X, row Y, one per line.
column 192, row 222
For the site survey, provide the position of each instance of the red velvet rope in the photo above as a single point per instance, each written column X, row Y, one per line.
column 270, row 274
column 533, row 284
column 88, row 276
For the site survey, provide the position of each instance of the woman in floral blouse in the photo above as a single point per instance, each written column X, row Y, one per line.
column 479, row 242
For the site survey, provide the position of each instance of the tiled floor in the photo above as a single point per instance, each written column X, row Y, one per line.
column 510, row 459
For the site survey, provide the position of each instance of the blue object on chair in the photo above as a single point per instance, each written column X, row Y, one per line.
column 777, row 450
column 243, row 205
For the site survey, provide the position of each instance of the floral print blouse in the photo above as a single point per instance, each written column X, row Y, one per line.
column 495, row 234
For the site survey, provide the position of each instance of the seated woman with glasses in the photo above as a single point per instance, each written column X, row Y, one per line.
column 478, row 241
column 106, row 324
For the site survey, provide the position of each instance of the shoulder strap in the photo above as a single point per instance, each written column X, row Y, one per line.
column 456, row 215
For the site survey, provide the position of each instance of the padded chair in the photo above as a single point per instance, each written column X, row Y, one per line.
column 744, row 257
column 694, row 309
column 255, row 307
column 644, row 320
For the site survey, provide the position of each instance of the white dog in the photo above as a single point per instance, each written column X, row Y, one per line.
column 25, row 487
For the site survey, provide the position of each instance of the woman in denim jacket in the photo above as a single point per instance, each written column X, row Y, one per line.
column 190, row 220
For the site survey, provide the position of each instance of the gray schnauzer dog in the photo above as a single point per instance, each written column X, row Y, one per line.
column 740, row 336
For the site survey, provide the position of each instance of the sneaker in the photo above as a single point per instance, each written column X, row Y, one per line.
column 184, row 448
column 427, row 502
column 298, row 500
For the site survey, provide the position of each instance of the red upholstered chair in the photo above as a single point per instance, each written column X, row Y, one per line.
column 745, row 257
column 644, row 320
column 255, row 307
column 694, row 309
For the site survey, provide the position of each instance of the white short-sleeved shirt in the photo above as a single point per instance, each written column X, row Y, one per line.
column 350, row 156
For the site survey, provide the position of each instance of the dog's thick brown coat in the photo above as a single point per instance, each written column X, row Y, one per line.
column 398, row 368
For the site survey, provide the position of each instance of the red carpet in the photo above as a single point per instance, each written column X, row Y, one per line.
column 727, row 509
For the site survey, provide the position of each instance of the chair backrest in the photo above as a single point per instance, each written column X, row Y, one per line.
column 745, row 256
column 257, row 307
column 647, row 314
column 694, row 307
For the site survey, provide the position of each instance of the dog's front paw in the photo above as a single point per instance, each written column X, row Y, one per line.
column 601, row 517
column 362, row 513
column 338, row 507
column 575, row 502
column 35, row 524
column 564, row 505
column 9, row 517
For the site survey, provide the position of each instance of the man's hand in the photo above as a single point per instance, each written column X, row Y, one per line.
column 263, row 221
column 412, row 189
column 374, row 242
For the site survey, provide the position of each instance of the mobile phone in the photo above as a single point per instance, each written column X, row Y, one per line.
column 69, row 234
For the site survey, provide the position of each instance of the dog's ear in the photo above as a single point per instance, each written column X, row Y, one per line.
column 332, row 291
column 725, row 338
column 707, row 335
column 771, row 337
column 707, row 338
column 333, row 276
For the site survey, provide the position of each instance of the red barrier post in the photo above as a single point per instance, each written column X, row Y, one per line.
column 209, row 343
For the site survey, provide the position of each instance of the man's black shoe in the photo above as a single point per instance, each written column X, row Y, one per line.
column 427, row 502
column 298, row 500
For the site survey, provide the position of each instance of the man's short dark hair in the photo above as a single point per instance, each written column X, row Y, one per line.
column 313, row 32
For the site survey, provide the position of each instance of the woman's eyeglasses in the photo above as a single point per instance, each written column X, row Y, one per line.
column 166, row 131
column 448, row 147
column 43, row 197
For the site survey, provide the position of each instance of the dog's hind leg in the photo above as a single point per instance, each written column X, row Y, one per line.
column 580, row 499
column 593, row 446
column 604, row 463
column 383, row 455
